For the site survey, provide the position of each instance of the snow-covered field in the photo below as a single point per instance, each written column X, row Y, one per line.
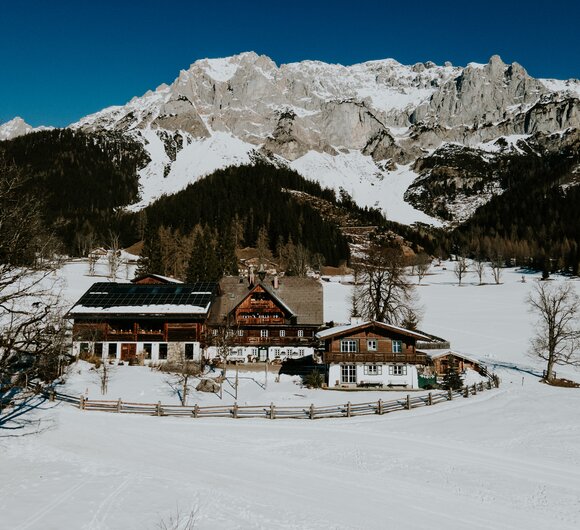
column 508, row 458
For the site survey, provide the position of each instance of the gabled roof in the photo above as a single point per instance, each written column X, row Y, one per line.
column 156, row 277
column 301, row 297
column 353, row 328
column 128, row 298
column 436, row 354
column 266, row 289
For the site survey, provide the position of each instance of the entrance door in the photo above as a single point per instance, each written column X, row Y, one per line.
column 128, row 351
column 263, row 354
column 348, row 373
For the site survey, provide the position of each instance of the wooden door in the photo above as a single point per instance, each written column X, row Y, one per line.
column 128, row 351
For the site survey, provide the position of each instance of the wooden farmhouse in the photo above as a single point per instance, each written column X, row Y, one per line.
column 156, row 321
column 265, row 318
column 372, row 354
column 438, row 360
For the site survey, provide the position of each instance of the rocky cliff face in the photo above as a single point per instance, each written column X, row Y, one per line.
column 369, row 121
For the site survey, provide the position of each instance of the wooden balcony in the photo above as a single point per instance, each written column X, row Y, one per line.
column 260, row 321
column 372, row 357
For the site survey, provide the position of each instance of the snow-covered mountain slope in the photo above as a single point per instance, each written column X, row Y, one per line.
column 17, row 127
column 14, row 128
column 358, row 127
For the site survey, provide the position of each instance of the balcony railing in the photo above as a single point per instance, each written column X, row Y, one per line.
column 372, row 357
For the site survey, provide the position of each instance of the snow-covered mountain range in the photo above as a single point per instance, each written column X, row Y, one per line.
column 362, row 128
column 17, row 127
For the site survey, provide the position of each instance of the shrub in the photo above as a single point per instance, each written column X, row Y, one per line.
column 314, row 379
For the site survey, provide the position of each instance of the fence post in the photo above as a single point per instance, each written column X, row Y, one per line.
column 82, row 402
column 158, row 408
column 235, row 410
column 450, row 394
column 272, row 411
column 474, row 389
column 430, row 399
column 488, row 384
column 311, row 413
column 466, row 391
column 119, row 405
column 481, row 389
column 408, row 404
column 51, row 394
column 196, row 410
column 348, row 410
column 380, row 406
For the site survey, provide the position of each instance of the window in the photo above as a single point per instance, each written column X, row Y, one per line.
column 147, row 348
column 189, row 352
column 99, row 349
column 240, row 332
column 372, row 345
column 162, row 352
column 282, row 333
column 348, row 373
column 397, row 346
column 373, row 369
column 398, row 370
column 263, row 333
column 301, row 352
column 84, row 348
column 301, row 333
column 277, row 352
column 348, row 346
column 113, row 350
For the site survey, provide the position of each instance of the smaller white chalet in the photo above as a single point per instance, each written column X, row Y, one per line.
column 372, row 355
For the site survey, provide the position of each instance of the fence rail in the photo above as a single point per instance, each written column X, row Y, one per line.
column 271, row 411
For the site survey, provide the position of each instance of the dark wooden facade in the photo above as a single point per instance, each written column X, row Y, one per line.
column 373, row 343
column 130, row 330
column 257, row 316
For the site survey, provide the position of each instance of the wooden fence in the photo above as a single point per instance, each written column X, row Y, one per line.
column 272, row 411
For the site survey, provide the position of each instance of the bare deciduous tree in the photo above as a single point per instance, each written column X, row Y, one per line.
column 479, row 268
column 114, row 255
column 496, row 266
column 181, row 370
column 31, row 326
column 461, row 268
column 384, row 293
column 422, row 265
column 557, row 334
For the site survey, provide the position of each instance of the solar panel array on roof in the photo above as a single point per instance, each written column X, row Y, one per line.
column 127, row 294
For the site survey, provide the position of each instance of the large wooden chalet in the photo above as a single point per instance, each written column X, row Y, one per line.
column 267, row 317
column 154, row 319
column 372, row 354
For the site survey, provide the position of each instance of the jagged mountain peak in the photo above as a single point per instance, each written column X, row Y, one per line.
column 369, row 120
column 17, row 127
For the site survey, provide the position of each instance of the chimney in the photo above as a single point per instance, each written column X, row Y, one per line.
column 355, row 321
column 275, row 282
column 261, row 272
column 251, row 279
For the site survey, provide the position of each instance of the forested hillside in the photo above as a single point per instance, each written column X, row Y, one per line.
column 249, row 203
column 81, row 179
column 535, row 221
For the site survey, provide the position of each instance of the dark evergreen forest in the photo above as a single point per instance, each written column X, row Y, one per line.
column 254, row 196
column 535, row 222
column 82, row 180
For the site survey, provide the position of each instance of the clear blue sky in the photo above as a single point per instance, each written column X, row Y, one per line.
column 61, row 60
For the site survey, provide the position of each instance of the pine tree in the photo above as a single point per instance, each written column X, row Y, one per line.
column 452, row 378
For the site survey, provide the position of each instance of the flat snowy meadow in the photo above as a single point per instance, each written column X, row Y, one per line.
column 507, row 458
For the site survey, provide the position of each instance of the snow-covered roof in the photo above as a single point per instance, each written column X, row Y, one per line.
column 163, row 279
column 156, row 309
column 155, row 298
column 339, row 330
column 436, row 354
